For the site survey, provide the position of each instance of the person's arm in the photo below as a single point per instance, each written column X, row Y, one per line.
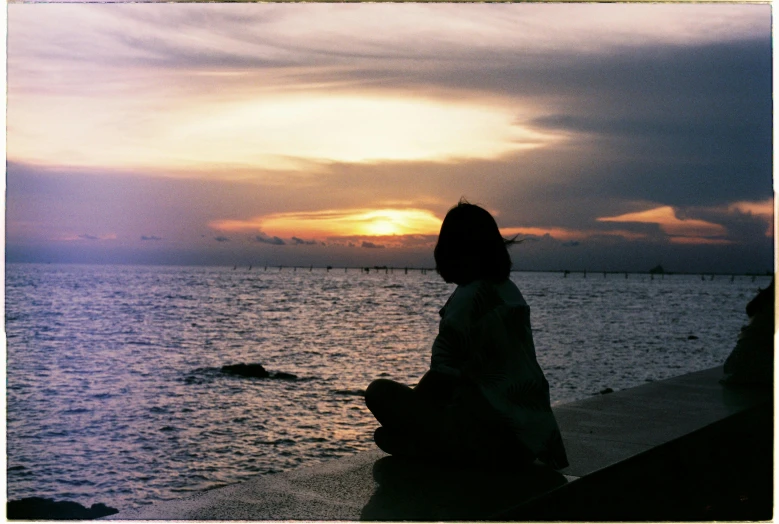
column 437, row 387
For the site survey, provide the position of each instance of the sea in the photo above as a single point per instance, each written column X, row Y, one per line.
column 115, row 389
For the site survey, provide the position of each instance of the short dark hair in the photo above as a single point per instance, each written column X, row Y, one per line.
column 470, row 246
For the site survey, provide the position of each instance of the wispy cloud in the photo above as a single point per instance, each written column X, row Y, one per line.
column 299, row 241
column 274, row 241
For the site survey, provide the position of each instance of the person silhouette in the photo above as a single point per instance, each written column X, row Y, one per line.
column 485, row 399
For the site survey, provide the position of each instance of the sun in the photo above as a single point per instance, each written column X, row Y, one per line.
column 384, row 222
column 381, row 227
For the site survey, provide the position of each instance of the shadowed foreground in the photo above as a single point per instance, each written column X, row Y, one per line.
column 686, row 448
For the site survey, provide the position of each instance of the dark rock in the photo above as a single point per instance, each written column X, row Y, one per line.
column 692, row 337
column 284, row 376
column 246, row 370
column 606, row 391
column 38, row 508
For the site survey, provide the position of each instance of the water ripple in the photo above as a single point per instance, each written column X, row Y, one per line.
column 115, row 393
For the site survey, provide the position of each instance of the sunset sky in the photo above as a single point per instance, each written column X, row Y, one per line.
column 610, row 136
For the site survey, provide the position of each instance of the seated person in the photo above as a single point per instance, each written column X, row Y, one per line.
column 485, row 398
column 752, row 360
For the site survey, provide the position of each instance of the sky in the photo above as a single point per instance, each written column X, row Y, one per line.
column 610, row 137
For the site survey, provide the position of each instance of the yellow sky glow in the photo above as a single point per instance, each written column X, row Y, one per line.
column 271, row 131
column 351, row 129
column 336, row 223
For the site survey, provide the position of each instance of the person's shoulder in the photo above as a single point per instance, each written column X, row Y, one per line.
column 510, row 294
column 461, row 304
column 472, row 300
column 473, row 291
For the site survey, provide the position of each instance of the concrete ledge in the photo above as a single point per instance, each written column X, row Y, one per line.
column 628, row 451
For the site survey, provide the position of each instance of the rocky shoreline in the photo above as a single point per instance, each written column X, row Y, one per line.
column 39, row 508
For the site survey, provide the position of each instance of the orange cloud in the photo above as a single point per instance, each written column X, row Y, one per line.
column 390, row 241
column 763, row 209
column 560, row 233
column 681, row 231
column 699, row 240
column 339, row 223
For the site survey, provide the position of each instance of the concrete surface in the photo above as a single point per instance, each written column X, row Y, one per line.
column 634, row 438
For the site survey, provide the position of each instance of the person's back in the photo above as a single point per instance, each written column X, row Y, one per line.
column 485, row 338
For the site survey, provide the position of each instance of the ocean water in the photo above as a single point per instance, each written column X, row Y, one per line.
column 114, row 389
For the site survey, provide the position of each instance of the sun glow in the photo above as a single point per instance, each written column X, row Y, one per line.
column 339, row 223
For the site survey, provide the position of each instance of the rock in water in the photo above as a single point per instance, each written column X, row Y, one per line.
column 38, row 508
column 284, row 376
column 246, row 370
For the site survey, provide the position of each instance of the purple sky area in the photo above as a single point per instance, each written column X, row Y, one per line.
column 610, row 136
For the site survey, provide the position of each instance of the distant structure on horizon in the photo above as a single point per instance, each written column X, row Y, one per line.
column 657, row 270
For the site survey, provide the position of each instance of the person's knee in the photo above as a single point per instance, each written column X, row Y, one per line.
column 377, row 391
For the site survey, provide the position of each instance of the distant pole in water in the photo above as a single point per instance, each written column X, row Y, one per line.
column 585, row 273
column 405, row 270
column 604, row 274
column 711, row 278
column 565, row 273
column 703, row 277
column 626, row 274
column 311, row 268
column 732, row 278
column 250, row 267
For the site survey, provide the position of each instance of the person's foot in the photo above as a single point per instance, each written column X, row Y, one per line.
column 395, row 443
column 383, row 439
